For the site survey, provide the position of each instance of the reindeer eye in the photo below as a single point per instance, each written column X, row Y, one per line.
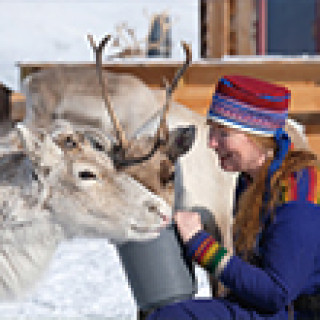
column 97, row 145
column 70, row 143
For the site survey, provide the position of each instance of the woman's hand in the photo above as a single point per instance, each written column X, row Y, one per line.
column 188, row 223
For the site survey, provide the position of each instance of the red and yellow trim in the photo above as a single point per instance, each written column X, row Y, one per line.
column 290, row 187
column 206, row 251
column 312, row 194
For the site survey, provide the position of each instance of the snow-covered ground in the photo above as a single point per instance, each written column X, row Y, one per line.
column 85, row 279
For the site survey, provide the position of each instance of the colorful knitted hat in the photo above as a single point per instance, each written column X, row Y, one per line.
column 250, row 104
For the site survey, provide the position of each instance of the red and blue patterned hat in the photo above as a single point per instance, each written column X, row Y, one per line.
column 250, row 104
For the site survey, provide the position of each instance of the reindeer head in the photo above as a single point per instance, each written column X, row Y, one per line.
column 85, row 193
column 97, row 182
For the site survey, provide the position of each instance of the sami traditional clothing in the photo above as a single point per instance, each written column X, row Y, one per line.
column 286, row 267
column 288, row 264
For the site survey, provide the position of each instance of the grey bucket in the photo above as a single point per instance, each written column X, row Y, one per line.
column 157, row 270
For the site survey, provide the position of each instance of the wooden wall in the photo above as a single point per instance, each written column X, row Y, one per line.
column 301, row 76
column 228, row 27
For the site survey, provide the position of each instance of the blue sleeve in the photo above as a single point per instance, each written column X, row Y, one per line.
column 290, row 248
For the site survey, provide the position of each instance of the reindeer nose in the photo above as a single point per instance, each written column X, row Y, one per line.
column 87, row 175
column 154, row 209
column 85, row 172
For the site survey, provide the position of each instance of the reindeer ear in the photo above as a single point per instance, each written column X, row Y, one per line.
column 11, row 143
column 180, row 141
column 40, row 147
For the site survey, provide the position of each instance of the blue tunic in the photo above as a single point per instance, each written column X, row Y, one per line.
column 289, row 266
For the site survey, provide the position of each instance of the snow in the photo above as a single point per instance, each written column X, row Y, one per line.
column 44, row 30
column 85, row 279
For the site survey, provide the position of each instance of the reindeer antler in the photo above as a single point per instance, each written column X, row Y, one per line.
column 163, row 128
column 98, row 50
column 171, row 88
column 119, row 151
column 183, row 69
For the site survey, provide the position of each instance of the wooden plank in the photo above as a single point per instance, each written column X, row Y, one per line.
column 208, row 72
column 198, row 98
column 309, row 119
column 218, row 28
column 301, row 76
column 305, row 102
column 284, row 71
column 305, row 96
column 312, row 129
column 243, row 24
column 262, row 27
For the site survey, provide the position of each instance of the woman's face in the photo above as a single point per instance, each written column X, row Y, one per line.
column 236, row 151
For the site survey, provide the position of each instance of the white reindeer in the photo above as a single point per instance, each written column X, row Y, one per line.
column 65, row 173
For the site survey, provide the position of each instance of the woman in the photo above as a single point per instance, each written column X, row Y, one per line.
column 276, row 264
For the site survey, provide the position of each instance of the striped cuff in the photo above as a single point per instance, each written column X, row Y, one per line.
column 205, row 251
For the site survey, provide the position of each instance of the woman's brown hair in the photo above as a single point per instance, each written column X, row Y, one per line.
column 247, row 222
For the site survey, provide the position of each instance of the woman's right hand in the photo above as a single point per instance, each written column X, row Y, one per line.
column 188, row 224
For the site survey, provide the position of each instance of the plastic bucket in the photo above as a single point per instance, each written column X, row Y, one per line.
column 157, row 270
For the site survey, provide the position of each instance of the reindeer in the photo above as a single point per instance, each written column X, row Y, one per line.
column 85, row 166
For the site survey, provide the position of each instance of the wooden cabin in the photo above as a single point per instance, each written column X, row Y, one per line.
column 237, row 37
column 259, row 27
